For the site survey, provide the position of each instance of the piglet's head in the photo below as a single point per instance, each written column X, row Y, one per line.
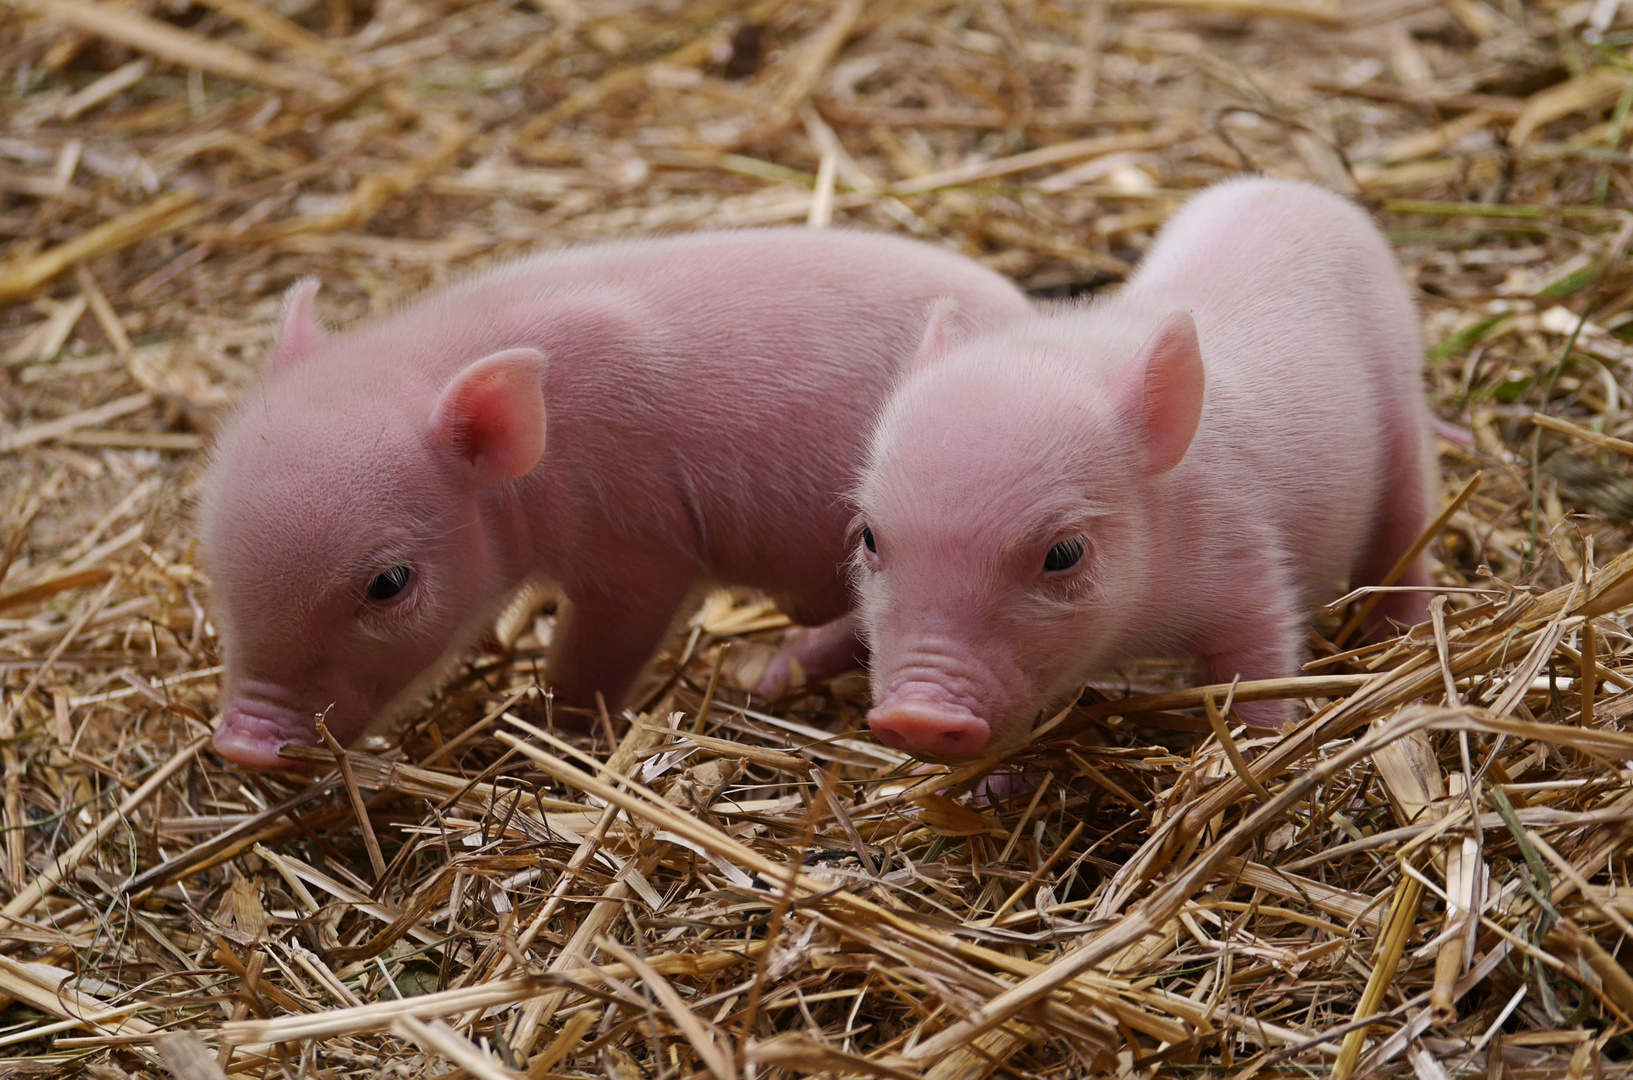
column 350, row 530
column 1003, row 518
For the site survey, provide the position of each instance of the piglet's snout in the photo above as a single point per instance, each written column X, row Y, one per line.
column 259, row 716
column 918, row 718
column 943, row 697
column 251, row 734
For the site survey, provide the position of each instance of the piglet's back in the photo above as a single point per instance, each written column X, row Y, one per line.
column 1301, row 311
column 1272, row 254
column 754, row 380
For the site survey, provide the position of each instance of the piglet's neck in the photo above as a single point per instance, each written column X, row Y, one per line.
column 592, row 339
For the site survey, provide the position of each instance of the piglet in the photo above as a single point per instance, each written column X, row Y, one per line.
column 627, row 420
column 1187, row 466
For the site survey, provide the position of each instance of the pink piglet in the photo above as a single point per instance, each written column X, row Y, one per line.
column 629, row 420
column 1188, row 466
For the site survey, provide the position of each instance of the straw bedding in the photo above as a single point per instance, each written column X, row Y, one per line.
column 1428, row 877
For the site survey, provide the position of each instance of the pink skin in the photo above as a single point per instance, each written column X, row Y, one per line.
column 1229, row 438
column 630, row 420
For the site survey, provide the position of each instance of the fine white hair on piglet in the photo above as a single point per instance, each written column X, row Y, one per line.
column 625, row 420
column 1189, row 465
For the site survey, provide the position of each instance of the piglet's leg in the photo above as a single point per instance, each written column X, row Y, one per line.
column 601, row 642
column 1262, row 642
column 821, row 652
column 1402, row 516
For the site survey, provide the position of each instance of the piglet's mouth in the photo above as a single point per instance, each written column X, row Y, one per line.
column 252, row 739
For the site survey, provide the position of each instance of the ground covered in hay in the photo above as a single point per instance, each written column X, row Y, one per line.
column 1429, row 877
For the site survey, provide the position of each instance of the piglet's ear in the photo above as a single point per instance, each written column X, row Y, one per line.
column 301, row 335
column 1167, row 392
column 941, row 323
column 492, row 415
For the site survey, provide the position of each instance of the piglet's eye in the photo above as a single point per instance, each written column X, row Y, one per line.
column 1064, row 555
column 867, row 540
column 389, row 584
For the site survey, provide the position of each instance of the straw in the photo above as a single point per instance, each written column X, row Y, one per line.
column 1426, row 872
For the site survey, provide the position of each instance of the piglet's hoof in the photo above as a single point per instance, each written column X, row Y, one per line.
column 783, row 674
column 748, row 666
column 811, row 654
column 1001, row 786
